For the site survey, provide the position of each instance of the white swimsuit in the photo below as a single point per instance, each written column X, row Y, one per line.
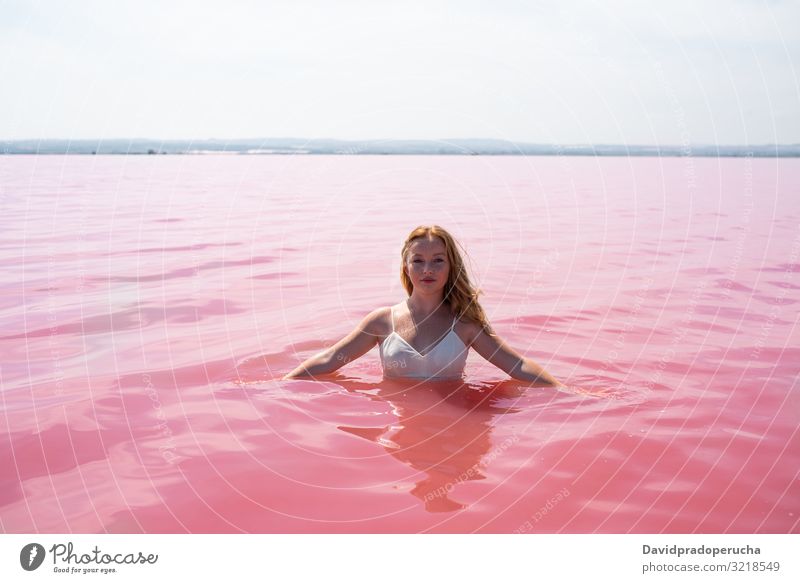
column 445, row 360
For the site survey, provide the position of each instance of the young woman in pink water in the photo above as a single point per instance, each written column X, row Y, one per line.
column 429, row 334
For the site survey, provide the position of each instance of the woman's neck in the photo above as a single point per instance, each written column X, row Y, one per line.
column 425, row 305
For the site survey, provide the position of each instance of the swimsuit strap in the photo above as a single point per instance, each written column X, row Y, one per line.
column 391, row 311
column 453, row 325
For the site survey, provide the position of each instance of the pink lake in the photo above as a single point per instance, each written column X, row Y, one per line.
column 150, row 305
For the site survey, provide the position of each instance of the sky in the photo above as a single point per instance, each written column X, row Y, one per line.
column 548, row 72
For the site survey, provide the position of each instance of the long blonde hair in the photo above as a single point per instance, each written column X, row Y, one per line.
column 459, row 293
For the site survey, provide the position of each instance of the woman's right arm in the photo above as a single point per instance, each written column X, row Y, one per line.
column 348, row 349
column 491, row 347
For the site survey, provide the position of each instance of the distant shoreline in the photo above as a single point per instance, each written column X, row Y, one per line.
column 297, row 146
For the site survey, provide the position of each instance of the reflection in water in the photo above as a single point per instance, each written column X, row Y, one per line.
column 443, row 430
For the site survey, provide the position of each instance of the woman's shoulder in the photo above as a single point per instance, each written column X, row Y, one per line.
column 379, row 320
column 467, row 330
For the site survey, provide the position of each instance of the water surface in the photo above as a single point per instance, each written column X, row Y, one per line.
column 150, row 304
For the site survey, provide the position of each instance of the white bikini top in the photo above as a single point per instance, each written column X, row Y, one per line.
column 445, row 360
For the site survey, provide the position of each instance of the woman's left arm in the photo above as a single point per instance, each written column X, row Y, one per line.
column 495, row 350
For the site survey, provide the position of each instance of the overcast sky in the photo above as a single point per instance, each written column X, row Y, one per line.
column 723, row 72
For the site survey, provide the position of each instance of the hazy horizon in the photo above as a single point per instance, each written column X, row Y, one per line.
column 411, row 139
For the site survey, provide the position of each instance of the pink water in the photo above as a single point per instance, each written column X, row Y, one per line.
column 149, row 305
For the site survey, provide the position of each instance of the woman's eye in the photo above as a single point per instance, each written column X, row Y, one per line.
column 440, row 260
column 418, row 261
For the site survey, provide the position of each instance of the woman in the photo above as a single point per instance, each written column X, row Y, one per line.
column 429, row 334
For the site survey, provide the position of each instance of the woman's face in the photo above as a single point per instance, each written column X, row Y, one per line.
column 427, row 265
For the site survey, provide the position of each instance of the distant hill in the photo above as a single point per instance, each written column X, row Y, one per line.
column 285, row 146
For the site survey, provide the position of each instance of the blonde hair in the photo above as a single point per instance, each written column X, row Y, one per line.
column 459, row 293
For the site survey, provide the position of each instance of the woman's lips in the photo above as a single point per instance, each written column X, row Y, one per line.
column 428, row 280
